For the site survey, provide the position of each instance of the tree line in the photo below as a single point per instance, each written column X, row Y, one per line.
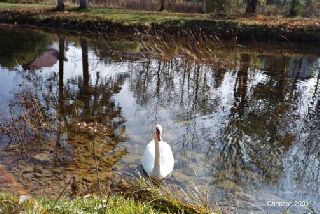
column 293, row 7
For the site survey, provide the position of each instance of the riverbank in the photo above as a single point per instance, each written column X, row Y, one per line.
column 137, row 196
column 105, row 20
column 10, row 204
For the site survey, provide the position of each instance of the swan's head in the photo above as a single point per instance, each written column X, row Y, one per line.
column 158, row 132
column 158, row 128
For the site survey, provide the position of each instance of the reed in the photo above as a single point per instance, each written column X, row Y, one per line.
column 195, row 48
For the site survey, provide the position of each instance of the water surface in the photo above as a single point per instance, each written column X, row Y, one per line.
column 248, row 132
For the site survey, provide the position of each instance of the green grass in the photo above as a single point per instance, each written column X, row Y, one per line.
column 108, row 20
column 128, row 16
column 5, row 5
column 131, row 196
column 116, row 204
column 115, row 15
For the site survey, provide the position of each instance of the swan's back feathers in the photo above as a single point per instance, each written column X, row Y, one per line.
column 166, row 158
column 148, row 157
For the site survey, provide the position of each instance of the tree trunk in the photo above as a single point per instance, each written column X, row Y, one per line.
column 85, row 92
column 61, row 63
column 161, row 5
column 61, row 86
column 60, row 5
column 204, row 6
column 295, row 8
column 240, row 89
column 251, row 6
column 83, row 4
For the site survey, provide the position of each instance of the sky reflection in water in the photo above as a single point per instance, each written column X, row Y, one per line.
column 247, row 130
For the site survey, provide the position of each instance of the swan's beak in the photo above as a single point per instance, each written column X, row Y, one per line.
column 157, row 134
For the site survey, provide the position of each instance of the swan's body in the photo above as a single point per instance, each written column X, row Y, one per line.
column 157, row 159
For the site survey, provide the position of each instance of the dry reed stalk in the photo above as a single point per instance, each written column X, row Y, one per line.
column 194, row 47
column 26, row 121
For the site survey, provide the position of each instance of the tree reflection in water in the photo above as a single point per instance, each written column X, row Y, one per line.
column 246, row 121
column 251, row 126
column 72, row 106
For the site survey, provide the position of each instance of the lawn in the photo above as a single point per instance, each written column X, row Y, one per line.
column 115, row 15
column 4, row 5
column 126, row 21
column 147, row 17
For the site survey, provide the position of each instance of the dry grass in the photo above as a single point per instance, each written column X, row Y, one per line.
column 193, row 46
column 136, row 195
column 165, row 197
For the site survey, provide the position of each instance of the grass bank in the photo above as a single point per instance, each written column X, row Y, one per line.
column 138, row 196
column 117, row 204
column 106, row 20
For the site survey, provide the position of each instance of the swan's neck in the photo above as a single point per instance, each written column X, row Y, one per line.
column 156, row 168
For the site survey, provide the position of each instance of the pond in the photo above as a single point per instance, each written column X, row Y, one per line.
column 247, row 132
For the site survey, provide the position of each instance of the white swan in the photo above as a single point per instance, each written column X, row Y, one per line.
column 157, row 159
